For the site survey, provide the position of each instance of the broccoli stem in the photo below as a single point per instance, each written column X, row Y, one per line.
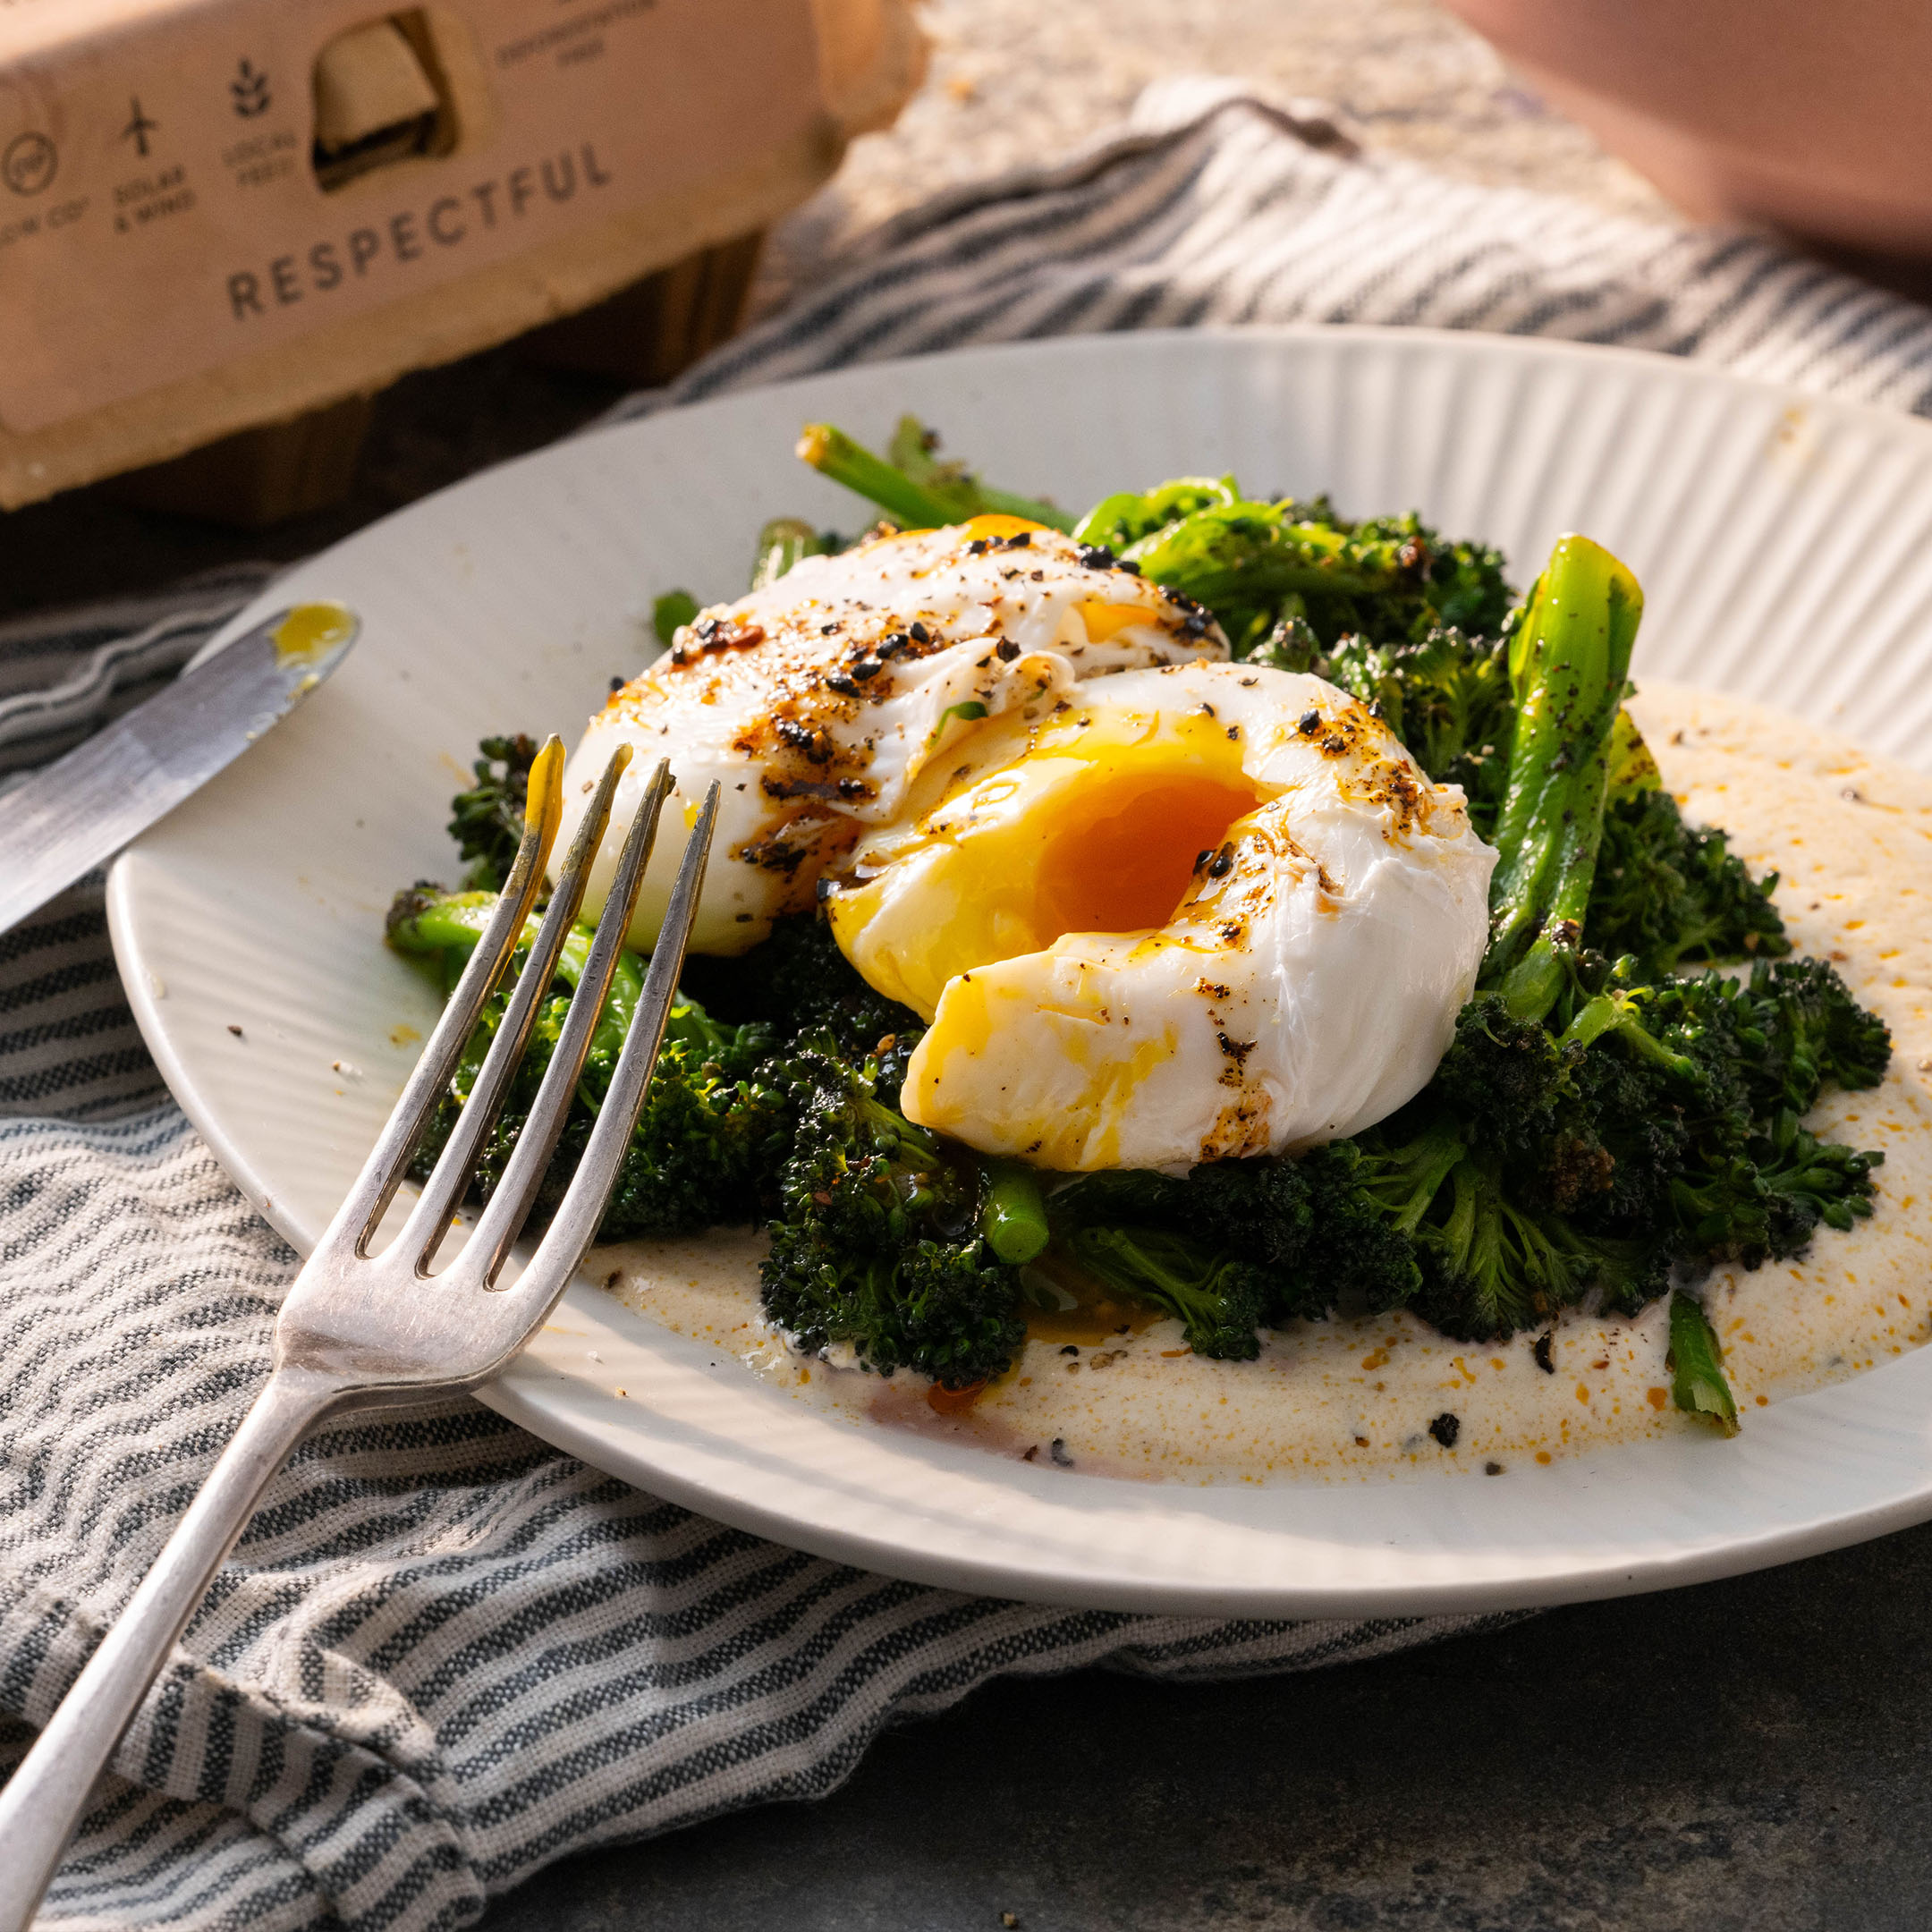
column 834, row 453
column 428, row 922
column 1698, row 1384
column 1569, row 661
column 1617, row 1012
column 910, row 452
column 913, row 505
column 453, row 924
column 1014, row 1216
column 673, row 608
column 1251, row 552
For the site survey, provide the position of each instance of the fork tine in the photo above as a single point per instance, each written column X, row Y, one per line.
column 510, row 1203
column 382, row 1172
column 573, row 1227
column 449, row 1181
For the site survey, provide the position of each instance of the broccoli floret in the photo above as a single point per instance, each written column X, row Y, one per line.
column 1814, row 1031
column 1734, row 1063
column 877, row 1243
column 1290, row 578
column 1119, row 522
column 1494, row 1250
column 1307, row 1231
column 1493, row 1262
column 1447, row 697
column 1219, row 1300
column 1311, row 1222
column 1764, row 1198
column 1506, row 1071
column 800, row 981
column 1671, row 894
column 1461, row 585
column 1660, row 1128
column 486, row 821
column 1256, row 563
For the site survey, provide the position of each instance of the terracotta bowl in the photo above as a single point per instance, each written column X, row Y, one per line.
column 1814, row 119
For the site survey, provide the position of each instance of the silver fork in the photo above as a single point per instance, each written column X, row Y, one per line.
column 359, row 1327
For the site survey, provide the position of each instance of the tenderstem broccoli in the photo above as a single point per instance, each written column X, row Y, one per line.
column 1219, row 1300
column 713, row 1126
column 1569, row 661
column 1698, row 1384
column 1597, row 1122
column 911, row 486
column 1259, row 565
column 486, row 821
column 1014, row 1215
column 877, row 1245
column 1589, row 1129
column 1238, row 1243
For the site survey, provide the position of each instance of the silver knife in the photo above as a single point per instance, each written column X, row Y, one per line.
column 85, row 807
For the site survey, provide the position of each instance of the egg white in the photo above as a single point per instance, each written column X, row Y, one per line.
column 817, row 702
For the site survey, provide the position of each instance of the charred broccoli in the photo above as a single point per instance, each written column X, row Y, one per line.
column 1241, row 1242
column 1258, row 565
column 877, row 1243
column 1598, row 1124
column 1588, row 1129
column 1670, row 895
column 801, row 983
column 1446, row 696
column 486, row 821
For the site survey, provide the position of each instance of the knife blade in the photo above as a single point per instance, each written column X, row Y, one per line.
column 84, row 808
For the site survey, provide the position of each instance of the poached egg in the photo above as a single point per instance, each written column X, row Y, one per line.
column 1178, row 915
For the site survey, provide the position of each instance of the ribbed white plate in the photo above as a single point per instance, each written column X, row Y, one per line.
column 1785, row 548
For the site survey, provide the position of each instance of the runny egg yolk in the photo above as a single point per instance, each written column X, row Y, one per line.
column 1094, row 825
column 1104, row 621
column 1121, row 857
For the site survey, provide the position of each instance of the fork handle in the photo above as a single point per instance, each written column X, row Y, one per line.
column 44, row 1799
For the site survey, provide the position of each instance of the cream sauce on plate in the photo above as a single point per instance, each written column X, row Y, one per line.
column 1112, row 1393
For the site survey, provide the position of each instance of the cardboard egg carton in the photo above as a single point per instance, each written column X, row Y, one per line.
column 218, row 214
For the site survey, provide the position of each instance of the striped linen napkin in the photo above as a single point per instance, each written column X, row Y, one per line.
column 445, row 1655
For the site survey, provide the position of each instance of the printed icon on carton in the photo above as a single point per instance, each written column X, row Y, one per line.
column 249, row 88
column 139, row 127
column 28, row 163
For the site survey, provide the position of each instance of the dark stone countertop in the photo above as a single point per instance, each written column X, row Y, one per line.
column 1743, row 1757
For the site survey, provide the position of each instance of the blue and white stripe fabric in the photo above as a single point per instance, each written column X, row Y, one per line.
column 445, row 1655
column 1217, row 207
